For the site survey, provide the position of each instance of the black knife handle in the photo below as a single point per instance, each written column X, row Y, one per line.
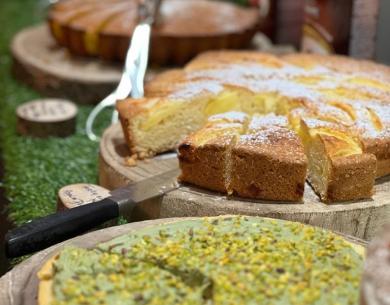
column 49, row 230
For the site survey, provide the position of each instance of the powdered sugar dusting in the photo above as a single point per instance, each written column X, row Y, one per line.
column 325, row 98
column 266, row 121
column 232, row 116
column 270, row 134
column 194, row 89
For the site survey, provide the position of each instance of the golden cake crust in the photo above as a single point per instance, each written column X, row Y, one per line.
column 264, row 171
column 339, row 170
column 352, row 178
column 204, row 166
column 268, row 161
column 204, row 156
column 45, row 276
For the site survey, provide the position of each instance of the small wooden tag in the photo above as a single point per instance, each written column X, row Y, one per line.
column 47, row 117
column 74, row 195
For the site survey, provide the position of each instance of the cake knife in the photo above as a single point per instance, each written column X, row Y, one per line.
column 49, row 230
column 132, row 79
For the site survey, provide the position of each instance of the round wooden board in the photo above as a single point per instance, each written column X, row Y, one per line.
column 52, row 71
column 361, row 219
column 46, row 117
column 20, row 285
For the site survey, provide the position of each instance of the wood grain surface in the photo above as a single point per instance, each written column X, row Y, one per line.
column 361, row 218
column 19, row 286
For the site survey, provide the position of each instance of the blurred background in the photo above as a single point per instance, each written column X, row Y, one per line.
column 383, row 41
column 357, row 28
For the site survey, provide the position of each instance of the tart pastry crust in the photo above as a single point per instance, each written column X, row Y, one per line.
column 184, row 28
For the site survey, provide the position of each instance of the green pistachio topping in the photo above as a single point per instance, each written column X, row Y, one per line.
column 227, row 260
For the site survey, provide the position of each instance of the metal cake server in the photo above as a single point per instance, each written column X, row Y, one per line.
column 132, row 79
column 46, row 231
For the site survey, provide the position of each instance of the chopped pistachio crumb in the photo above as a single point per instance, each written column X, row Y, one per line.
column 242, row 260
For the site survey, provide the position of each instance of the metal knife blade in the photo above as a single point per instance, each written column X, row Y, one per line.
column 49, row 230
column 153, row 187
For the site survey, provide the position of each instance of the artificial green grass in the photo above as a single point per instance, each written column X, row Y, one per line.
column 36, row 168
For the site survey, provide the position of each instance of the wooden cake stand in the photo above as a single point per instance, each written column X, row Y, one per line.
column 360, row 219
column 19, row 286
column 52, row 71
column 39, row 62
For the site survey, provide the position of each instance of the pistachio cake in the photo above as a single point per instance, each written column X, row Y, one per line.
column 338, row 107
column 221, row 260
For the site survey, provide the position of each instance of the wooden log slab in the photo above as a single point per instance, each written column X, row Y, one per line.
column 75, row 195
column 52, row 71
column 361, row 219
column 46, row 117
column 20, row 285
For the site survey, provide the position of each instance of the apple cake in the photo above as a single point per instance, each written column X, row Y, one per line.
column 338, row 107
column 221, row 260
column 184, row 28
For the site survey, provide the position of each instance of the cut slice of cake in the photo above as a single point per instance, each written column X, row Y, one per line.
column 268, row 161
column 264, row 160
column 373, row 128
column 339, row 170
column 154, row 125
column 204, row 155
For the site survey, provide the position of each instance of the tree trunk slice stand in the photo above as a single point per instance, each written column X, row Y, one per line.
column 39, row 62
column 75, row 195
column 51, row 70
column 46, row 117
column 361, row 219
column 20, row 285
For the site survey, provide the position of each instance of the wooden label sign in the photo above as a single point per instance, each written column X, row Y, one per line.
column 74, row 195
column 47, row 117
